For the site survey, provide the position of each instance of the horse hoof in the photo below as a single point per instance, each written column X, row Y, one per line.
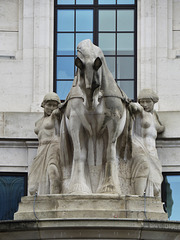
column 109, row 189
column 79, row 189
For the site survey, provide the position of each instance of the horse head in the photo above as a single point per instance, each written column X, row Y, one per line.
column 88, row 63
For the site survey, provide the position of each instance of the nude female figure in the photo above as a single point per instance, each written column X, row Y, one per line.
column 44, row 175
column 146, row 167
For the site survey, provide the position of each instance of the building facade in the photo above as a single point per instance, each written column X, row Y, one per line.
column 29, row 64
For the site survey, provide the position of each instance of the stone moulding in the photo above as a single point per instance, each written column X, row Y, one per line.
column 95, row 206
column 130, row 229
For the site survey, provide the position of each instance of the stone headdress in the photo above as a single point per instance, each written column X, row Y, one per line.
column 52, row 96
column 148, row 93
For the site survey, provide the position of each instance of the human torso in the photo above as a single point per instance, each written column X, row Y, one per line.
column 44, row 128
column 145, row 128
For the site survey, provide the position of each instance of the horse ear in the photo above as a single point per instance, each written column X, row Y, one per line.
column 79, row 63
column 97, row 63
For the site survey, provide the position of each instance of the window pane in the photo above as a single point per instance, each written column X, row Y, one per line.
column 84, row 20
column 107, row 1
column 11, row 191
column 65, row 43
column 111, row 65
column 125, row 1
column 172, row 184
column 63, row 88
column 83, row 36
column 66, row 1
column 84, row 2
column 107, row 20
column 65, row 67
column 125, row 68
column 127, row 87
column 65, row 20
column 125, row 20
column 125, row 43
column 107, row 43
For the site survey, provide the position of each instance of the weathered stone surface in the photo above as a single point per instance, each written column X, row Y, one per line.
column 146, row 169
column 45, row 171
column 130, row 229
column 94, row 125
column 90, row 206
column 18, row 125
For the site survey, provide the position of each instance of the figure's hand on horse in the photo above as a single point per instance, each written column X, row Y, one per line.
column 135, row 108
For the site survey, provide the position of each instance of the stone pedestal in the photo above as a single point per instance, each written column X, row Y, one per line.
column 96, row 216
column 95, row 206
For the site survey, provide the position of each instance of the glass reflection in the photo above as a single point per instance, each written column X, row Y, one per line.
column 84, row 2
column 84, row 20
column 125, row 68
column 107, row 1
column 65, row 20
column 127, row 87
column 107, row 20
column 65, row 67
column 172, row 197
column 107, row 43
column 65, row 1
column 65, row 43
column 125, row 43
column 111, row 64
column 63, row 88
column 125, row 20
column 125, row 1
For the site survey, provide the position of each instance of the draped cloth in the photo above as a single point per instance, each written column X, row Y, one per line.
column 147, row 165
column 48, row 153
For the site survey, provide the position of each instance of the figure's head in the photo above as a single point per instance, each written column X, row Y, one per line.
column 50, row 103
column 147, row 98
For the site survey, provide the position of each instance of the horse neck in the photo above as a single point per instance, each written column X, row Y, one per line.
column 108, row 84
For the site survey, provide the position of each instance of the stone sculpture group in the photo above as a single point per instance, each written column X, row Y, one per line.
column 97, row 141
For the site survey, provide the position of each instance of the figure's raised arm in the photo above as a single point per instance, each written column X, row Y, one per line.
column 135, row 108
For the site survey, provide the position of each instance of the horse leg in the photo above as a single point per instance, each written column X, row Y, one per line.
column 78, row 181
column 111, row 182
column 54, row 177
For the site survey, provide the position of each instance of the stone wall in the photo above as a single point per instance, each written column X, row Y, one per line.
column 26, row 53
column 19, row 143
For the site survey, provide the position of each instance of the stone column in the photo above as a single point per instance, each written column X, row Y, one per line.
column 42, row 50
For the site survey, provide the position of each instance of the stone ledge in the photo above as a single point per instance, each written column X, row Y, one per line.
column 131, row 229
column 20, row 125
column 102, row 206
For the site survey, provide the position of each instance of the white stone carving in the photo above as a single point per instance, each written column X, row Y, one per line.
column 86, row 145
column 94, row 119
column 44, row 175
column 146, row 168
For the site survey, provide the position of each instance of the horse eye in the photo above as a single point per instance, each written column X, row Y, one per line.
column 79, row 63
column 97, row 63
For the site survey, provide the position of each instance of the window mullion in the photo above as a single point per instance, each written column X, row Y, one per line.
column 95, row 26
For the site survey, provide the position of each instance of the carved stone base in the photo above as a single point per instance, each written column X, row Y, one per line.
column 95, row 206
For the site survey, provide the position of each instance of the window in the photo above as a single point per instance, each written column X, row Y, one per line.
column 12, row 187
column 171, row 195
column 110, row 24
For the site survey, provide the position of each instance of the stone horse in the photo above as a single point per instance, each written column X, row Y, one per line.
column 94, row 118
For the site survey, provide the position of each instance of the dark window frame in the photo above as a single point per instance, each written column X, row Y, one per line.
column 18, row 174
column 96, row 7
